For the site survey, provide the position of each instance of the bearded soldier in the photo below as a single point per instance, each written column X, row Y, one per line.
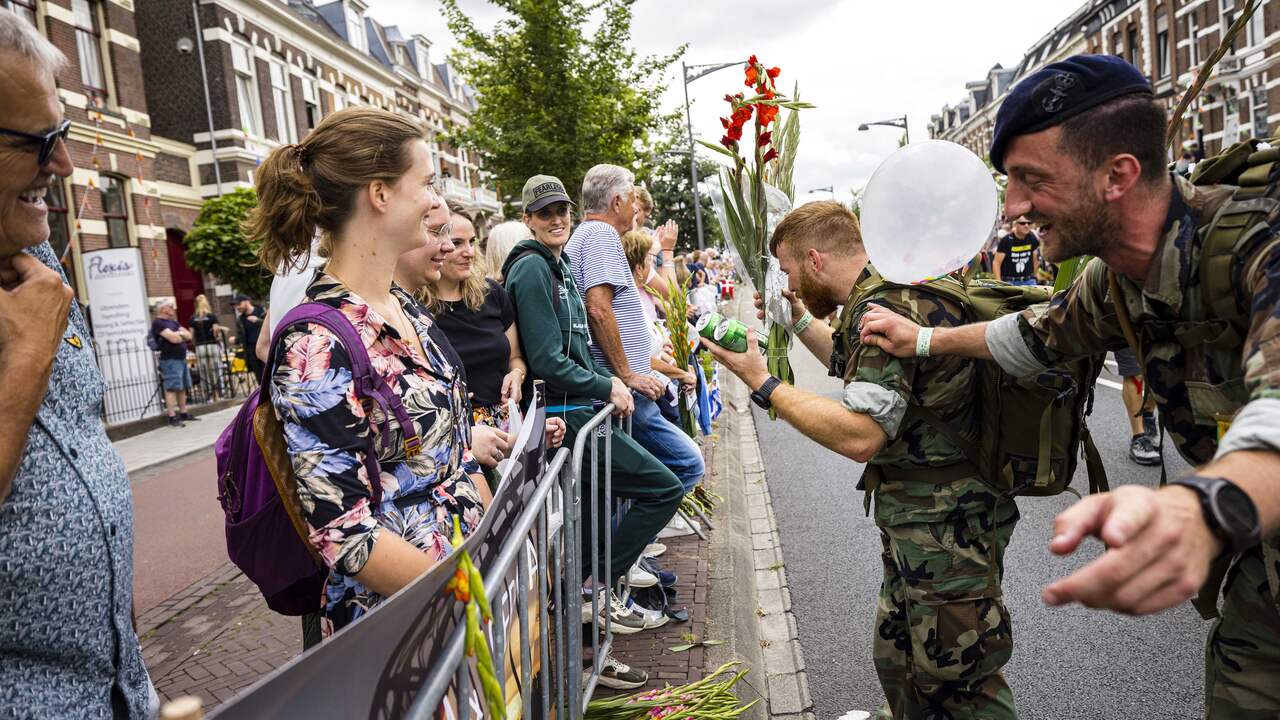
column 1188, row 276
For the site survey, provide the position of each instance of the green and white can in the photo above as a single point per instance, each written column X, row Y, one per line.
column 707, row 324
column 731, row 335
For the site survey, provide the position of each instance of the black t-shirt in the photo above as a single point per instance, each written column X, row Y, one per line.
column 202, row 328
column 1017, row 263
column 479, row 337
column 168, row 350
column 249, row 331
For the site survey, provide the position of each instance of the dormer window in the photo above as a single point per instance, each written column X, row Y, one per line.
column 355, row 31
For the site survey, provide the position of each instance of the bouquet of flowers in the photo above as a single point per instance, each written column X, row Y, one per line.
column 756, row 191
column 675, row 304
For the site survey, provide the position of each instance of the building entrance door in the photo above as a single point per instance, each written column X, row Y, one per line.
column 187, row 283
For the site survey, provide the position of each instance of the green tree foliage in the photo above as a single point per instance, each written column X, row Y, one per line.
column 554, row 96
column 671, row 185
column 217, row 243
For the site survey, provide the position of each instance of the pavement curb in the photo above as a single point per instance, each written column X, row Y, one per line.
column 750, row 600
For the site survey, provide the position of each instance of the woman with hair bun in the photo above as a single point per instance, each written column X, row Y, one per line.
column 364, row 179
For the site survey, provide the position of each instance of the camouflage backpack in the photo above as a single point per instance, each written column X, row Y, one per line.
column 1031, row 430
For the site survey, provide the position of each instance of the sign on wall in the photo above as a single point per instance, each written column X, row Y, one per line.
column 121, row 321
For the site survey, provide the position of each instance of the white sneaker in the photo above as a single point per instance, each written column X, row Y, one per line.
column 678, row 527
column 623, row 620
column 617, row 675
column 654, row 550
column 652, row 618
column 641, row 578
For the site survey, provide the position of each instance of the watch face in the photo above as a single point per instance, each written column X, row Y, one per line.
column 1235, row 510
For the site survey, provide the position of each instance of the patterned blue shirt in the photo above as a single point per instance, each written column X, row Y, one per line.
column 596, row 258
column 66, row 554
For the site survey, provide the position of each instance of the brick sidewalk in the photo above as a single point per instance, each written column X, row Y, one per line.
column 217, row 636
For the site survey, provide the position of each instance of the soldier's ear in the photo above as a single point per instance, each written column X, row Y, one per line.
column 814, row 258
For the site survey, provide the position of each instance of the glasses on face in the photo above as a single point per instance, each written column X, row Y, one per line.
column 442, row 233
column 47, row 143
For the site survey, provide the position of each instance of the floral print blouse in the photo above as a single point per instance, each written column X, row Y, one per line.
column 327, row 431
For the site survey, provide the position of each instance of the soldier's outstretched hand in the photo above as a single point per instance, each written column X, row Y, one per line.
column 889, row 331
column 1159, row 550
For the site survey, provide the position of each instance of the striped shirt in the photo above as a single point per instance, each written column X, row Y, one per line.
column 596, row 258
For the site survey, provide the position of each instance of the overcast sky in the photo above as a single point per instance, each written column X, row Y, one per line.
column 857, row 60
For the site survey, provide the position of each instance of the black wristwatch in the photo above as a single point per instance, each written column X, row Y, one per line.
column 1228, row 511
column 761, row 395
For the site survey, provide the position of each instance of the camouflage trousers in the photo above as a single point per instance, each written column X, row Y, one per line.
column 1242, row 655
column 942, row 631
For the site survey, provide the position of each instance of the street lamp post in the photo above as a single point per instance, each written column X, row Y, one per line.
column 208, row 106
column 697, row 72
column 898, row 122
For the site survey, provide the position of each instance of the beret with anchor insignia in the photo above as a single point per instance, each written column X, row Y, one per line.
column 1058, row 92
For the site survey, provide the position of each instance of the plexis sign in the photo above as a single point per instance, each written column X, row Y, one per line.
column 118, row 312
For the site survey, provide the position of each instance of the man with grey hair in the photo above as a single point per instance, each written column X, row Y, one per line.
column 67, row 643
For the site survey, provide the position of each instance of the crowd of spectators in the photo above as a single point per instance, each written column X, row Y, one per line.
column 457, row 318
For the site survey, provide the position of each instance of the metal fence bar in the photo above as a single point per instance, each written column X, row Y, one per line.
column 544, row 637
column 522, row 614
column 134, row 386
column 451, row 663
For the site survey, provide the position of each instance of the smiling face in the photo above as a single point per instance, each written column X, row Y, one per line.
column 550, row 225
column 459, row 262
column 1051, row 189
column 422, row 265
column 29, row 104
column 410, row 200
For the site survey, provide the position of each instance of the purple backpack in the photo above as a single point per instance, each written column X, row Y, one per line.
column 267, row 534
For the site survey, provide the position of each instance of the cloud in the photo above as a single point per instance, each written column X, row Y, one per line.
column 857, row 60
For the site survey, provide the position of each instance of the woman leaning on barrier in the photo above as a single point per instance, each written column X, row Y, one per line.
column 364, row 177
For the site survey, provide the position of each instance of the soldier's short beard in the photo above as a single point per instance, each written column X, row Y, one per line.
column 1084, row 229
column 815, row 296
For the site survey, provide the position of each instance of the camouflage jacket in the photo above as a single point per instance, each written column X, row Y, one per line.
column 1196, row 379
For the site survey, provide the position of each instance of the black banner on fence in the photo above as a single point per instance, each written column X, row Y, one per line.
column 375, row 667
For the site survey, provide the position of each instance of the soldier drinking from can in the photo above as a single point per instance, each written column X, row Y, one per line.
column 1188, row 275
column 943, row 633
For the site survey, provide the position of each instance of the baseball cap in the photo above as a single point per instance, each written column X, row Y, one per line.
column 542, row 190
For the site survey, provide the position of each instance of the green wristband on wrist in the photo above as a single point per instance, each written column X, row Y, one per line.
column 803, row 323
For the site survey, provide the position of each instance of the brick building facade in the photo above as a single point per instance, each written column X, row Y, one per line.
column 1168, row 40
column 114, row 198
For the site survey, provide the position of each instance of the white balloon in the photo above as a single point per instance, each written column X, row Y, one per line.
column 928, row 210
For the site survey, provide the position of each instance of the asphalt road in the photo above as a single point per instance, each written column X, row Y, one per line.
column 1067, row 663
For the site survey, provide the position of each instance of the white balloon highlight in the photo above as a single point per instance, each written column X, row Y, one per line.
column 928, row 210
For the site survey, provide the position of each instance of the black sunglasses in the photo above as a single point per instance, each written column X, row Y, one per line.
column 48, row 142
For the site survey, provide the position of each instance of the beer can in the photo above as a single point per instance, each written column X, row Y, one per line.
column 731, row 335
column 707, row 324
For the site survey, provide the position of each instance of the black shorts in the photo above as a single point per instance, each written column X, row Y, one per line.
column 1126, row 363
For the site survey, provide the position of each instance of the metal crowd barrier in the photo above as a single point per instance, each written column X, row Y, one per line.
column 560, row 580
column 133, row 384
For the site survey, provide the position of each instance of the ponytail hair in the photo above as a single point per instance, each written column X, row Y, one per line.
column 311, row 186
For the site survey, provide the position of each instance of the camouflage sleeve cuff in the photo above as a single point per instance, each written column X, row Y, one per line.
column 1009, row 347
column 884, row 406
column 1255, row 427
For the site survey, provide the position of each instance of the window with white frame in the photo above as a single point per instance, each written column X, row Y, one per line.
column 25, row 9
column 1162, row 47
column 246, row 89
column 311, row 101
column 84, row 15
column 115, row 211
column 282, row 98
column 1256, row 30
column 339, row 97
column 1193, row 49
column 1259, row 105
column 355, row 31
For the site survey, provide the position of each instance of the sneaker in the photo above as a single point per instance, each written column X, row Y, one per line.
column 641, row 578
column 188, row 417
column 1143, row 451
column 654, row 550
column 678, row 527
column 624, row 621
column 1149, row 427
column 176, row 422
column 665, row 578
column 652, row 618
column 617, row 675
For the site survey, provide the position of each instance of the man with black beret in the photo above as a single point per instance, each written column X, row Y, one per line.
column 1189, row 276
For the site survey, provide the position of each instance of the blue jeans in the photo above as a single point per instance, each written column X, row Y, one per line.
column 1028, row 281
column 666, row 442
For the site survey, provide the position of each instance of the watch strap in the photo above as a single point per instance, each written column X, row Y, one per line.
column 761, row 395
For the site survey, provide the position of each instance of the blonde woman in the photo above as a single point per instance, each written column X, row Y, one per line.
column 477, row 316
column 502, row 238
column 208, row 338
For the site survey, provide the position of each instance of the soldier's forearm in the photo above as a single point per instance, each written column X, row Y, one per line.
column 828, row 423
column 966, row 340
column 817, row 337
column 1256, row 472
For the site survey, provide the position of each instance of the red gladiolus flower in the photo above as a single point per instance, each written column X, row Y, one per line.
column 752, row 76
column 752, row 60
column 773, row 72
column 765, row 138
column 727, row 142
column 724, row 122
column 769, row 155
column 735, row 133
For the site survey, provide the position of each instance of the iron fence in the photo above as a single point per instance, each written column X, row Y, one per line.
column 134, row 389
